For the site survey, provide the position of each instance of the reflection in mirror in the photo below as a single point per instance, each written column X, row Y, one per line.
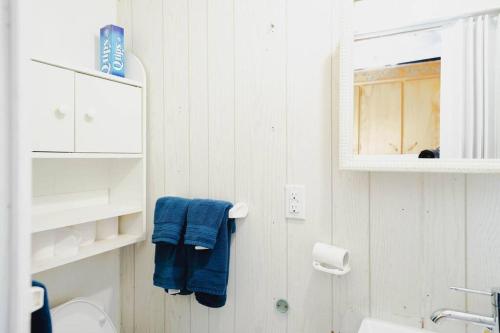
column 429, row 91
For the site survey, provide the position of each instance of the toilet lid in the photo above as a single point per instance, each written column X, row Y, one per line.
column 81, row 316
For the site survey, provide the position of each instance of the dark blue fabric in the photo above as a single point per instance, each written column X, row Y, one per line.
column 171, row 267
column 204, row 218
column 170, row 219
column 208, row 271
column 212, row 301
column 40, row 319
column 170, row 252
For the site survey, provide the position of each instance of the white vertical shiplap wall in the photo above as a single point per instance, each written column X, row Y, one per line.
column 67, row 32
column 309, row 132
column 482, row 232
column 260, row 135
column 243, row 99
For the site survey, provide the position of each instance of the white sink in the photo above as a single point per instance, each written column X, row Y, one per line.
column 370, row 325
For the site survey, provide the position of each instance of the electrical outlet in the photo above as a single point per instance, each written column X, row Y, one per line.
column 295, row 202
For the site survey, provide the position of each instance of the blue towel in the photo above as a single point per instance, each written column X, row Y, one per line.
column 170, row 252
column 205, row 219
column 40, row 319
column 170, row 219
column 208, row 271
column 171, row 267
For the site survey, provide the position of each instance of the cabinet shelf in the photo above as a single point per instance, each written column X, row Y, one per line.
column 69, row 217
column 93, row 249
column 52, row 155
column 91, row 72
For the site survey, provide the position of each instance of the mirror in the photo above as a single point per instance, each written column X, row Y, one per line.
column 422, row 88
column 397, row 86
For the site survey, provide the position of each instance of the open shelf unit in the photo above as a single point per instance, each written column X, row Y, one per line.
column 69, row 192
column 75, row 216
column 98, row 247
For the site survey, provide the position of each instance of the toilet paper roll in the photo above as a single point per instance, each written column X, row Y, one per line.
column 330, row 259
column 86, row 233
column 66, row 243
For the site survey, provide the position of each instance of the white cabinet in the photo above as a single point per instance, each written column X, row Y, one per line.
column 107, row 116
column 85, row 112
column 53, row 108
column 89, row 164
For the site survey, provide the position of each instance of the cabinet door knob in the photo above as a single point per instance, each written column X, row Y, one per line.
column 90, row 114
column 61, row 111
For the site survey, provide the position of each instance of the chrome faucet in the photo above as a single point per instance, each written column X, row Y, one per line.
column 489, row 322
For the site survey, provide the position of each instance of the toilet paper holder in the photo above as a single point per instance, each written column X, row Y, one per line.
column 334, row 271
column 330, row 259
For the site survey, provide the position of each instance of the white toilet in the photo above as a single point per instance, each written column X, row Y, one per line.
column 81, row 316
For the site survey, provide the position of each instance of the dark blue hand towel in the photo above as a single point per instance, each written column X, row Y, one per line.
column 205, row 219
column 170, row 219
column 171, row 267
column 170, row 252
column 208, row 271
column 40, row 319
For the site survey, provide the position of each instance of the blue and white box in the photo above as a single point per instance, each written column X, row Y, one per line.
column 112, row 50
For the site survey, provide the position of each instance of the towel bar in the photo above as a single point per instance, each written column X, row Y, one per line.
column 239, row 211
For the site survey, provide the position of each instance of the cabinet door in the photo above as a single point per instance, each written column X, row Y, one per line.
column 53, row 108
column 421, row 115
column 108, row 116
column 380, row 118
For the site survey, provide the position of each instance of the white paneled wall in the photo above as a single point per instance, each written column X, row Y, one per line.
column 243, row 98
column 67, row 32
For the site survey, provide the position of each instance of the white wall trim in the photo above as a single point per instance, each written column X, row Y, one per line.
column 4, row 164
column 20, row 167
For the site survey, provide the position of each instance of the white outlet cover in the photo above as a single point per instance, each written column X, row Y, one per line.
column 295, row 202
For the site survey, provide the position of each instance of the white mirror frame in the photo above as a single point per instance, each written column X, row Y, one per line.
column 351, row 161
